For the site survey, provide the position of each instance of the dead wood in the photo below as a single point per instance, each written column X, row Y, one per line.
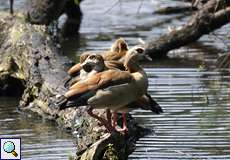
column 176, row 9
column 213, row 15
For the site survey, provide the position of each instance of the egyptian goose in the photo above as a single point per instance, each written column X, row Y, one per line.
column 102, row 90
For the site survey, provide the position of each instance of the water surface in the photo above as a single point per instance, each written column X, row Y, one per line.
column 194, row 96
column 196, row 121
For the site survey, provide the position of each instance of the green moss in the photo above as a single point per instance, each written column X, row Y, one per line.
column 110, row 153
column 15, row 34
column 43, row 105
column 70, row 157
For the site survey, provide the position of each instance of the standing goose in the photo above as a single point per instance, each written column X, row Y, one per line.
column 111, row 89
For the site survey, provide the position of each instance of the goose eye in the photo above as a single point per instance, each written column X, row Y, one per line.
column 140, row 50
column 92, row 57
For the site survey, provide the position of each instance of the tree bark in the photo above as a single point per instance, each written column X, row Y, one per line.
column 175, row 10
column 213, row 15
column 30, row 59
column 47, row 11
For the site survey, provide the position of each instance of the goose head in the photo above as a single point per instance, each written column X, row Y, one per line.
column 141, row 53
column 84, row 56
column 119, row 46
column 133, row 56
column 93, row 62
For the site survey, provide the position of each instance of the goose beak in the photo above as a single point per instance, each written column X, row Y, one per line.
column 147, row 57
column 82, row 65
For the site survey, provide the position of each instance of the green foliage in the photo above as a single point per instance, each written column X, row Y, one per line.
column 70, row 156
column 111, row 153
column 77, row 2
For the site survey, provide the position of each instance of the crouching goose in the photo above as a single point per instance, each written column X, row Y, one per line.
column 116, row 52
column 113, row 89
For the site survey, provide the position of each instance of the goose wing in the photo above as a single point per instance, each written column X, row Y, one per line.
column 111, row 55
column 144, row 102
column 115, row 65
column 148, row 103
column 100, row 80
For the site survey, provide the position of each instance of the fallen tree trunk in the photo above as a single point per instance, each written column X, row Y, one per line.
column 46, row 11
column 30, row 59
column 213, row 15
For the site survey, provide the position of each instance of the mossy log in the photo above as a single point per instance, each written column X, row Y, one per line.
column 31, row 66
column 213, row 15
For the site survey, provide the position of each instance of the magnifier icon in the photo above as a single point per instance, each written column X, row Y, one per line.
column 9, row 147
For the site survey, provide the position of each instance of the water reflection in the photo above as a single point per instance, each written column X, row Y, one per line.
column 40, row 139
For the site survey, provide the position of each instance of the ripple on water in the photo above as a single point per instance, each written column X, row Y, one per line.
column 195, row 124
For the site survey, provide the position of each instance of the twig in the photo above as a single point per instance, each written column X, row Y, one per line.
column 115, row 4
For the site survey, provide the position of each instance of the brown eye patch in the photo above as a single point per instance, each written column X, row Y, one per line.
column 140, row 50
column 99, row 57
column 92, row 57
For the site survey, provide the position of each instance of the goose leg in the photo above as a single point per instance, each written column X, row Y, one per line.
column 103, row 121
column 124, row 123
column 125, row 128
column 108, row 116
column 114, row 123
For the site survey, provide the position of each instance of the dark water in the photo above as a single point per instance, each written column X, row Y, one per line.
column 194, row 96
column 40, row 139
